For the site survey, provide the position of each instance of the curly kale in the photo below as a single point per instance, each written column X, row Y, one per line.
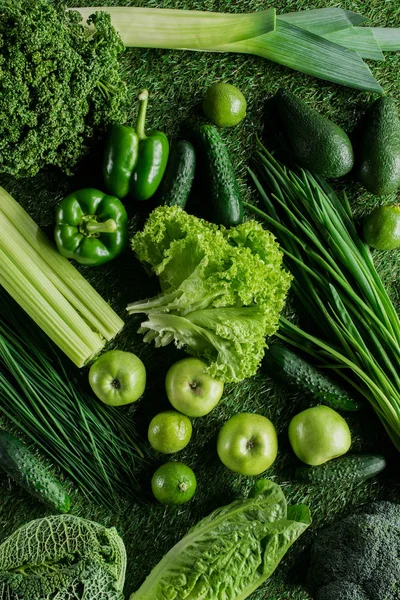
column 60, row 84
column 358, row 558
column 62, row 558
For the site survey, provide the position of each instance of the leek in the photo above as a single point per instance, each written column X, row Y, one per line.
column 358, row 329
column 326, row 43
column 50, row 289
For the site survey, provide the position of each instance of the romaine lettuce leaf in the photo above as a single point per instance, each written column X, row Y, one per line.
column 230, row 553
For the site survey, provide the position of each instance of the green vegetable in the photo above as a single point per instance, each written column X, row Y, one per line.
column 94, row 444
column 381, row 228
column 53, row 293
column 152, row 159
column 289, row 369
column 60, row 85
column 324, row 43
column 177, row 181
column 91, row 227
column 379, row 161
column 358, row 558
column 120, row 157
column 318, row 144
column 30, row 473
column 63, row 557
column 222, row 289
column 222, row 186
column 230, row 552
column 357, row 329
column 351, row 468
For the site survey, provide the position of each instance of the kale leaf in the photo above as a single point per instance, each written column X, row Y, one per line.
column 60, row 84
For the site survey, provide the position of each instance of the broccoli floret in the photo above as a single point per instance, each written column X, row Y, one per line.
column 358, row 558
column 60, row 84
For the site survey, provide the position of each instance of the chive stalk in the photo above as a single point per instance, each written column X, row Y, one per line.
column 357, row 329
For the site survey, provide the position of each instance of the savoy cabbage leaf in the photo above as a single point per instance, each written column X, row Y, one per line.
column 230, row 553
column 62, row 558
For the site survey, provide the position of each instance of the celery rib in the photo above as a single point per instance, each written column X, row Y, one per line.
column 96, row 311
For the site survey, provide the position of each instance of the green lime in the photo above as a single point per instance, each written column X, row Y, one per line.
column 169, row 432
column 224, row 105
column 381, row 228
column 174, row 483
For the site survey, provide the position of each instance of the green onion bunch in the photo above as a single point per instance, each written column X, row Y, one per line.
column 94, row 444
column 335, row 280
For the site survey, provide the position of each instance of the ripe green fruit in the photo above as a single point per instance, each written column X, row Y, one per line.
column 381, row 228
column 319, row 434
column 174, row 483
column 190, row 389
column 247, row 444
column 169, row 432
column 118, row 377
column 224, row 105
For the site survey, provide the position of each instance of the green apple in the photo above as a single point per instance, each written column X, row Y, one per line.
column 190, row 389
column 247, row 444
column 118, row 377
column 319, row 434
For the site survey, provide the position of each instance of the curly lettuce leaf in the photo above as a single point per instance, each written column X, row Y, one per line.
column 231, row 552
column 222, row 289
column 62, row 558
column 232, row 340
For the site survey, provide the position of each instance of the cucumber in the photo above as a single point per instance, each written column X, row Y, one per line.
column 28, row 471
column 352, row 468
column 223, row 188
column 178, row 178
column 289, row 369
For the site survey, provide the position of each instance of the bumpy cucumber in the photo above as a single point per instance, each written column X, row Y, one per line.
column 352, row 468
column 223, row 188
column 289, row 369
column 178, row 178
column 28, row 471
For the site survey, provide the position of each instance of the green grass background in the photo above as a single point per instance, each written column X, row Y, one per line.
column 177, row 82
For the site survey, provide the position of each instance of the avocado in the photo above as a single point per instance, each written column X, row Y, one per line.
column 378, row 167
column 381, row 228
column 318, row 144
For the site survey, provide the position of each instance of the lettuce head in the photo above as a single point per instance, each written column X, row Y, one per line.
column 222, row 290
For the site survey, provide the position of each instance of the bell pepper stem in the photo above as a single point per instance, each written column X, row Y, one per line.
column 93, row 226
column 143, row 99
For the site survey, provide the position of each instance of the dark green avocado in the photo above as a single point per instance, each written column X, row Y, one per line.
column 318, row 144
column 378, row 166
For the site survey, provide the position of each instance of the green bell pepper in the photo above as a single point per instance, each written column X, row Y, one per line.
column 120, row 157
column 91, row 227
column 153, row 157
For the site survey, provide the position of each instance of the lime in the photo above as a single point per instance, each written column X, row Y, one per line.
column 174, row 483
column 381, row 228
column 169, row 432
column 224, row 105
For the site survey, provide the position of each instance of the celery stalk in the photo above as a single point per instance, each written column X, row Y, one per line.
column 42, row 313
column 98, row 313
column 25, row 266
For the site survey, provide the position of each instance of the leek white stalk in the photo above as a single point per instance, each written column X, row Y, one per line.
column 326, row 43
column 172, row 28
